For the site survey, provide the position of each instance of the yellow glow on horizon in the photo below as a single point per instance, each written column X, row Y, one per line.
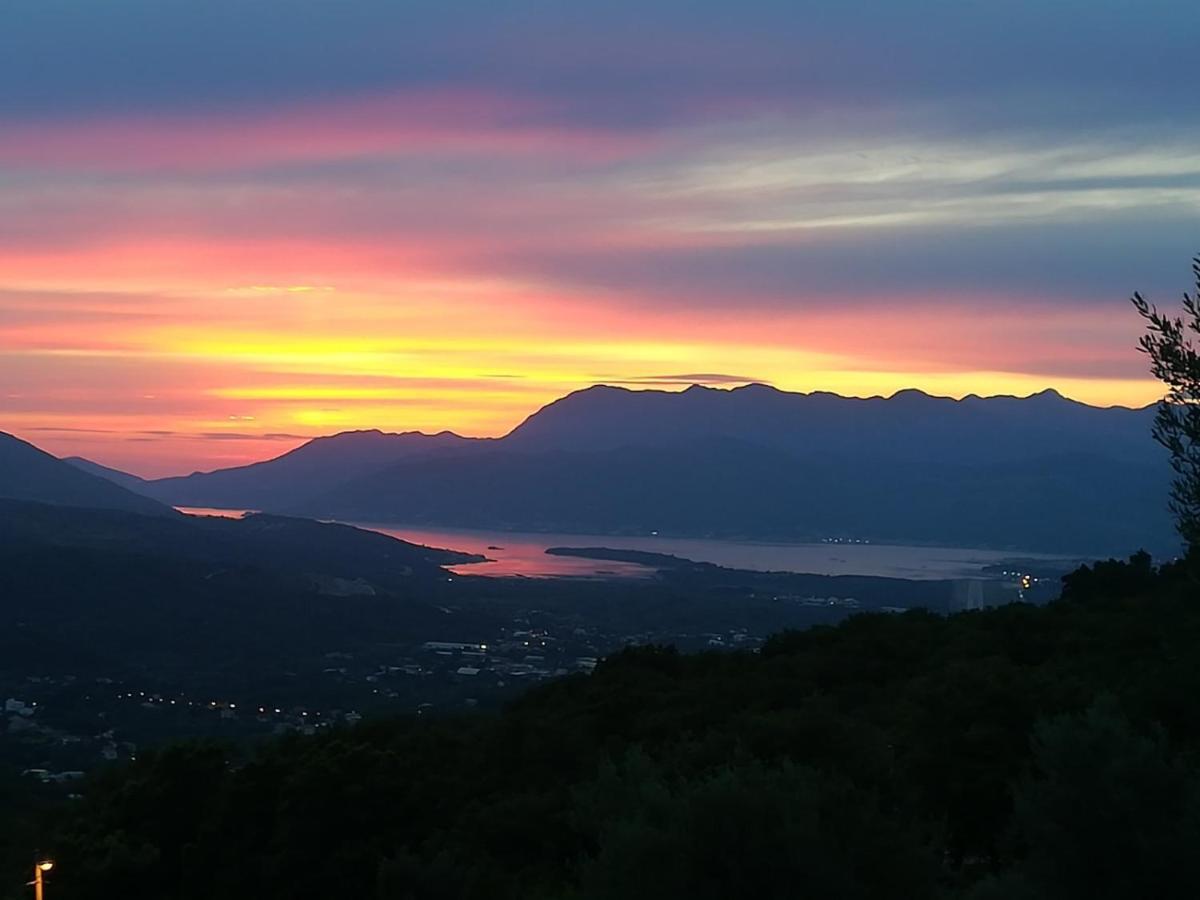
column 850, row 383
column 201, row 362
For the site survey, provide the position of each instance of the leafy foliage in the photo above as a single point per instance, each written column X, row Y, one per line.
column 1106, row 812
column 1175, row 360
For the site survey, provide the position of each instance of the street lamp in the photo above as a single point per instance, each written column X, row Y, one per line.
column 39, row 870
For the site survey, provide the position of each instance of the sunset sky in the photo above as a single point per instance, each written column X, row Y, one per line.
column 229, row 225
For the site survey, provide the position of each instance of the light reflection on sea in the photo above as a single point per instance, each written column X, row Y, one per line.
column 524, row 554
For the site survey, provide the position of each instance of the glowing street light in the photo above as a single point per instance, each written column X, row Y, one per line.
column 39, row 870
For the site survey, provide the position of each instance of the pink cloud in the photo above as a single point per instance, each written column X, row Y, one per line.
column 477, row 123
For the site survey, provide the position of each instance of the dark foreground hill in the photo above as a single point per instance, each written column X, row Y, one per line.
column 1036, row 473
column 265, row 541
column 104, row 592
column 1020, row 752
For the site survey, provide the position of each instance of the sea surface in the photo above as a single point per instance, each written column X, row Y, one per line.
column 524, row 554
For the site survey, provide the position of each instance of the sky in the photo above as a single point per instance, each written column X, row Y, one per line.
column 229, row 226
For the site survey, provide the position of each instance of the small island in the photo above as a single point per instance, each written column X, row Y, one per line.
column 638, row 557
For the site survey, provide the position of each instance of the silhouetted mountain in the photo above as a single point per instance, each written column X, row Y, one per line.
column 124, row 479
column 1040, row 472
column 27, row 473
column 909, row 426
column 1084, row 504
column 286, row 482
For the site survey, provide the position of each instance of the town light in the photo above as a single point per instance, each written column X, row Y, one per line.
column 39, row 869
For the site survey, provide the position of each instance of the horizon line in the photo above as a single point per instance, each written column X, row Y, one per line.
column 625, row 386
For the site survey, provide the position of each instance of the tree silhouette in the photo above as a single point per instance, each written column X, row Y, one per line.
column 1170, row 343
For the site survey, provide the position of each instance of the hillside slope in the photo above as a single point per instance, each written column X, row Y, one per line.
column 27, row 473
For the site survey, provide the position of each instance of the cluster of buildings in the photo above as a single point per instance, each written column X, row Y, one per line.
column 60, row 726
column 524, row 654
column 58, row 753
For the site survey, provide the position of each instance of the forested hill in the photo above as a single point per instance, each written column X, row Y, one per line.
column 1019, row 752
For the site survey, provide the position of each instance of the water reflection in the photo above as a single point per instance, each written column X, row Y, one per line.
column 524, row 554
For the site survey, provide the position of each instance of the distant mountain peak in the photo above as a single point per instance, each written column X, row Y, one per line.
column 756, row 387
column 913, row 394
column 363, row 433
column 376, row 435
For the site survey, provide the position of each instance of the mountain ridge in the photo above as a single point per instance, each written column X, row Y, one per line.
column 274, row 483
column 606, row 415
column 749, row 462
